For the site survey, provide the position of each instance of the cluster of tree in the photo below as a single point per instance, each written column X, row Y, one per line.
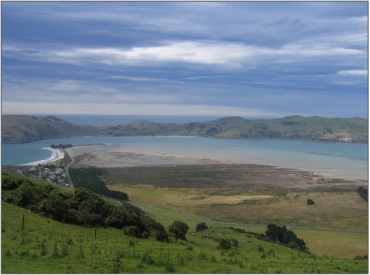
column 83, row 207
column 278, row 234
column 89, row 178
column 363, row 193
column 61, row 146
column 282, row 235
column 178, row 229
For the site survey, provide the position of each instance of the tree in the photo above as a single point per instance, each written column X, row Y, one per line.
column 201, row 226
column 56, row 206
column 281, row 234
column 178, row 229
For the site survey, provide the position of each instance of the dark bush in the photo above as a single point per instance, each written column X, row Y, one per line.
column 114, row 222
column 201, row 227
column 281, row 234
column 178, row 229
column 9, row 183
column 224, row 244
column 159, row 235
column 363, row 193
column 310, row 202
column 133, row 231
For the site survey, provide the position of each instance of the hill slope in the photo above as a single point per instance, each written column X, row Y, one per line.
column 80, row 207
column 20, row 129
column 43, row 245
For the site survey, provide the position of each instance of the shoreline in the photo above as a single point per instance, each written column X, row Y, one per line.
column 57, row 154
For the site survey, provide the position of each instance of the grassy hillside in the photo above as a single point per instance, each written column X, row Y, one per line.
column 80, row 207
column 48, row 246
column 18, row 129
column 47, row 242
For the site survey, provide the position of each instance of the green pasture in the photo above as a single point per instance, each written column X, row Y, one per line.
column 47, row 246
column 341, row 244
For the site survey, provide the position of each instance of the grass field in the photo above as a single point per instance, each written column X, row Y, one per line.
column 338, row 210
column 222, row 201
column 47, row 246
column 336, row 207
column 321, row 242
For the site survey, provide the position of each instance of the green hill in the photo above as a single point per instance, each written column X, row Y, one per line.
column 35, row 243
column 80, row 207
column 19, row 129
column 22, row 129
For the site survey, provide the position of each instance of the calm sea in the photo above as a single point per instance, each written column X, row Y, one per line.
column 341, row 160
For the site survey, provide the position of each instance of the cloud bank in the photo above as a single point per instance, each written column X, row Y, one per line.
column 258, row 59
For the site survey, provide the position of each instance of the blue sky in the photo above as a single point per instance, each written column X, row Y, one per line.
column 249, row 59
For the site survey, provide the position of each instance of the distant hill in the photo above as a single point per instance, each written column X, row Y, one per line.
column 21, row 128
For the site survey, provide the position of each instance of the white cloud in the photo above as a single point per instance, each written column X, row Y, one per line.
column 213, row 53
column 353, row 72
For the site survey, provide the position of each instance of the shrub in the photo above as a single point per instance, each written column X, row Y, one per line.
column 159, row 235
column 133, row 231
column 8, row 183
column 224, row 244
column 310, row 202
column 201, row 226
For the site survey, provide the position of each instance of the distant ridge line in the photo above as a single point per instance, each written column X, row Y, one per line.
column 25, row 128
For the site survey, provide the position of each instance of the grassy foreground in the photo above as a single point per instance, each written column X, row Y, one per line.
column 47, row 246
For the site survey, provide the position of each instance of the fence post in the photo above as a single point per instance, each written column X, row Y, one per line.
column 95, row 235
column 22, row 222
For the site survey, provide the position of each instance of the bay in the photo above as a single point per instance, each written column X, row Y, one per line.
column 339, row 160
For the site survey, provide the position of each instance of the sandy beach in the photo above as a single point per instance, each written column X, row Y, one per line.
column 57, row 154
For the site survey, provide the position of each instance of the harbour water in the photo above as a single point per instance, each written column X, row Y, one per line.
column 338, row 160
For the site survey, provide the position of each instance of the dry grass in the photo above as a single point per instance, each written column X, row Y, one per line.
column 341, row 210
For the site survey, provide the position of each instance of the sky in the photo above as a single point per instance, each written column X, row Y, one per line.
column 249, row 59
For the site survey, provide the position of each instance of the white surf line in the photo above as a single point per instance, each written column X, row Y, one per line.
column 57, row 154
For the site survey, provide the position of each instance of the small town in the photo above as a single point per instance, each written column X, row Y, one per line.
column 49, row 173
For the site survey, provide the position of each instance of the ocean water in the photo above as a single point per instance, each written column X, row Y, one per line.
column 340, row 160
